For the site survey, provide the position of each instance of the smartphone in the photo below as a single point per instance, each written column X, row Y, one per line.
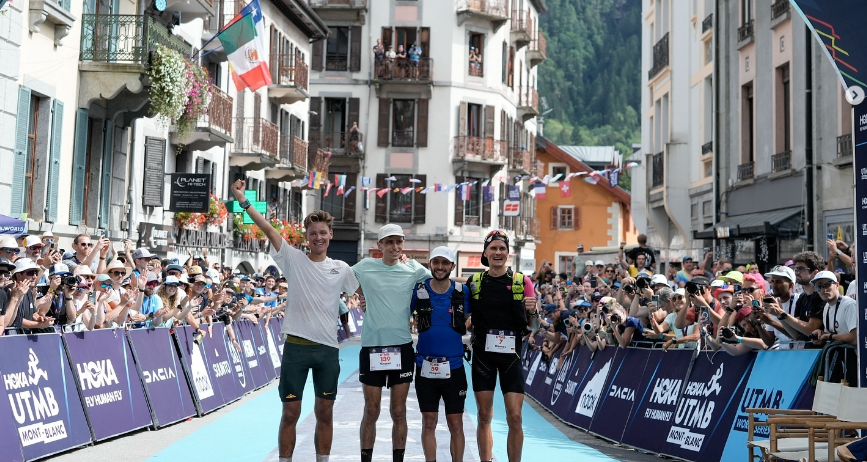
column 703, row 315
column 655, row 300
column 592, row 282
column 756, row 304
column 768, row 300
column 830, row 236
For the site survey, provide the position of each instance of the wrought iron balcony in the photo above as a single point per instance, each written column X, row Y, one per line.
column 292, row 165
column 746, row 171
column 404, row 70
column 492, row 9
column 289, row 79
column 255, row 136
column 479, row 148
column 660, row 57
column 528, row 103
column 746, row 31
column 520, row 160
column 214, row 128
column 657, row 165
column 707, row 23
column 476, row 69
column 779, row 8
column 707, row 148
column 403, row 138
column 337, row 142
column 125, row 38
column 336, row 62
column 522, row 29
column 844, row 145
column 528, row 228
column 538, row 49
column 781, row 161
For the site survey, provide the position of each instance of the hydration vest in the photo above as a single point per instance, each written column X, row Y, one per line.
column 424, row 309
column 517, row 285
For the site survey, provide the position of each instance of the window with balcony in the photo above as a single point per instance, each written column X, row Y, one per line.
column 473, row 211
column 745, row 169
column 332, row 203
column 476, row 62
column 400, row 40
column 403, row 122
column 782, row 160
column 474, row 119
column 407, row 205
column 337, row 49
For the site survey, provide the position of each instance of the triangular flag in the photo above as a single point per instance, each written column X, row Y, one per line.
column 405, row 190
column 381, row 192
column 556, row 177
column 327, row 189
column 590, row 179
column 391, row 178
column 351, row 188
column 485, row 183
column 414, row 180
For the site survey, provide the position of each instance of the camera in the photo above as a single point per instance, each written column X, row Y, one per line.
column 692, row 288
column 70, row 280
column 588, row 327
column 727, row 333
column 768, row 299
column 629, row 289
column 615, row 318
column 641, row 283
column 813, row 337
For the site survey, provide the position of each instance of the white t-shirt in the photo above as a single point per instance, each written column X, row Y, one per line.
column 852, row 290
column 312, row 310
column 840, row 318
column 680, row 333
column 782, row 335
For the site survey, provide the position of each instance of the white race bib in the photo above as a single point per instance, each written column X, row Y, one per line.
column 436, row 368
column 500, row 341
column 385, row 359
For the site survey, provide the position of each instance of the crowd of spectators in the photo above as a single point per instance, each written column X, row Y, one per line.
column 45, row 289
column 708, row 305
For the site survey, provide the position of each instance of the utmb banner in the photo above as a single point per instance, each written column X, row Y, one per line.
column 860, row 137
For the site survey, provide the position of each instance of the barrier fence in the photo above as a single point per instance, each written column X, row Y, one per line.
column 62, row 391
column 680, row 403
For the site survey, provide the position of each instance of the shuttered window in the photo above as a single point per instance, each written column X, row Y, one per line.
column 19, row 167
column 355, row 48
column 79, row 166
column 419, row 209
column 421, row 135
column 54, row 161
column 318, row 52
column 459, row 203
column 105, row 175
column 384, row 122
column 349, row 201
column 152, row 188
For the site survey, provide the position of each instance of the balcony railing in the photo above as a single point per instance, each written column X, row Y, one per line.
column 355, row 4
column 219, row 115
column 779, row 8
column 254, row 135
column 402, row 69
column 660, row 57
column 336, row 62
column 321, row 161
column 125, row 38
column 476, row 69
column 289, row 69
column 521, row 159
column 746, row 31
column 844, row 145
column 487, row 149
column 539, row 44
column 337, row 142
column 403, row 138
column 293, row 151
column 707, row 148
column 528, row 97
column 782, row 161
column 522, row 24
column 707, row 23
column 497, row 8
column 528, row 227
column 657, row 178
column 746, row 171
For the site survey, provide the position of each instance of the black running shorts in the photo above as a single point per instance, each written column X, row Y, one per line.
column 452, row 390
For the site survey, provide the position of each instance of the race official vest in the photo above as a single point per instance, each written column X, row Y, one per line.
column 424, row 309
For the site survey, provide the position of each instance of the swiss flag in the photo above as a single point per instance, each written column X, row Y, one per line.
column 565, row 189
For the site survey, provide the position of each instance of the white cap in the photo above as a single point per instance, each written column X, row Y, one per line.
column 57, row 269
column 717, row 283
column 32, row 240
column 680, row 291
column 445, row 252
column 390, row 230
column 599, row 263
column 8, row 242
column 824, row 275
column 26, row 264
column 171, row 280
column 783, row 272
column 141, row 253
column 658, row 279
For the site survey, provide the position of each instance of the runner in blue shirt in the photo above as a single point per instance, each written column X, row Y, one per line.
column 439, row 306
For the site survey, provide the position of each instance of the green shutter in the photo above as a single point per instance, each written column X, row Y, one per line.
column 105, row 183
column 20, row 152
column 79, row 161
column 54, row 161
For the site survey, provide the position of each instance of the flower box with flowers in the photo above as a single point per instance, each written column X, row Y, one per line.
column 215, row 216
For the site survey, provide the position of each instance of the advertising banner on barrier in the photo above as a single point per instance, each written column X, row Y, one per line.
column 859, row 113
column 536, row 371
column 275, row 332
column 618, row 397
column 565, row 390
column 249, row 353
column 219, row 363
column 590, row 389
column 243, row 382
column 108, row 382
column 10, row 450
column 165, row 382
column 777, row 379
column 266, row 361
column 664, row 377
column 205, row 391
column 38, row 384
column 707, row 406
column 273, row 352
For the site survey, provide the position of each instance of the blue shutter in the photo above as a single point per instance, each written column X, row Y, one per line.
column 20, row 152
column 105, row 183
column 79, row 161
column 54, row 161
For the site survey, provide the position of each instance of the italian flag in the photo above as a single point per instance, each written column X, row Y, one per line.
column 246, row 61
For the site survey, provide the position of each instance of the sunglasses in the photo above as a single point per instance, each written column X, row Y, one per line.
column 30, row 273
column 88, row 277
column 14, row 251
column 36, row 247
column 824, row 285
column 116, row 273
column 86, row 244
column 153, row 284
column 749, row 290
column 679, row 297
column 609, row 271
column 4, row 274
column 800, row 269
column 49, row 240
column 496, row 232
column 105, row 285
column 174, row 273
column 172, row 285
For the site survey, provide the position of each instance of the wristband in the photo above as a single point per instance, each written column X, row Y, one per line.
column 244, row 205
